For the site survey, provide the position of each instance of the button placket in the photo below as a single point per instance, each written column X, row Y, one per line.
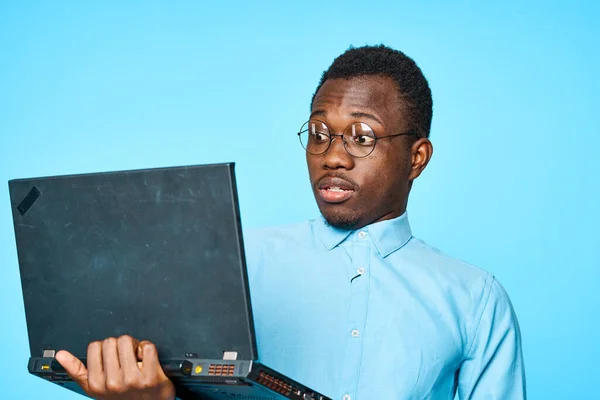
column 357, row 314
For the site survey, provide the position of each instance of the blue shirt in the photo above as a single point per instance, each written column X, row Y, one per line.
column 378, row 314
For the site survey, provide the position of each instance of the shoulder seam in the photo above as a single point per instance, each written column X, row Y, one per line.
column 488, row 286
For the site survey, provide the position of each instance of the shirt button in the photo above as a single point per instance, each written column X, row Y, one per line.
column 362, row 234
column 360, row 271
column 354, row 333
column 346, row 397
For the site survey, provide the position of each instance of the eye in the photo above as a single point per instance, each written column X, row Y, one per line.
column 320, row 137
column 364, row 140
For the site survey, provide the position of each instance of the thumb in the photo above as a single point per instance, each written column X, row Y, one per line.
column 74, row 367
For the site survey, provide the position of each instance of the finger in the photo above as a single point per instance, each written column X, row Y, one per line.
column 139, row 351
column 150, row 363
column 74, row 368
column 95, row 366
column 112, row 366
column 127, row 348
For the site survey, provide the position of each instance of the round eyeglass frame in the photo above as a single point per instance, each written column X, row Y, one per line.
column 333, row 136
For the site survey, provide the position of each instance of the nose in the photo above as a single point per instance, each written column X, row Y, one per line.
column 336, row 156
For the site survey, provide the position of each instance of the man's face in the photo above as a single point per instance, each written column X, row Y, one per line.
column 354, row 192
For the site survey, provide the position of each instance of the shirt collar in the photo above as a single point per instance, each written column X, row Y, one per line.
column 388, row 236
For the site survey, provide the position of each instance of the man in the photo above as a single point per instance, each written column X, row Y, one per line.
column 352, row 304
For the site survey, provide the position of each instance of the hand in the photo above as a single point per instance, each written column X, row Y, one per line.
column 119, row 369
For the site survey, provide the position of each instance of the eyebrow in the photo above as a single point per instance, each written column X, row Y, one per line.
column 367, row 116
column 323, row 113
column 317, row 113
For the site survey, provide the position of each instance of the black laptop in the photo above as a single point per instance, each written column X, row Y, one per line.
column 156, row 254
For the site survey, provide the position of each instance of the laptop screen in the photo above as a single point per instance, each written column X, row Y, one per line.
column 156, row 254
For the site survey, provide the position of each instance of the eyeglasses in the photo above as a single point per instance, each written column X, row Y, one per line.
column 358, row 138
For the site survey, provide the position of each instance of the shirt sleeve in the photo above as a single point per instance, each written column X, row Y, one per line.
column 493, row 367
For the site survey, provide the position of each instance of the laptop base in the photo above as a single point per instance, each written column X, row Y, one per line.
column 204, row 379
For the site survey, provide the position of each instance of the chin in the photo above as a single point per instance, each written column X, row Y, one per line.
column 341, row 220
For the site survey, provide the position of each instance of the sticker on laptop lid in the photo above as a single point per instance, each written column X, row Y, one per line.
column 28, row 201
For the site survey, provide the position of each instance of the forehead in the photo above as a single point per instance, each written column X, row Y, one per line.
column 376, row 95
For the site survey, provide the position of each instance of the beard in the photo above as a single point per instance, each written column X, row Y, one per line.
column 340, row 220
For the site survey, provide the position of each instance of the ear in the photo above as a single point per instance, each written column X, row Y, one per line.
column 421, row 152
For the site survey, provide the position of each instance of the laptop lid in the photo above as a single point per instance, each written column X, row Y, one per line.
column 156, row 254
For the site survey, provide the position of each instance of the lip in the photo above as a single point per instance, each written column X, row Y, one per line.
column 334, row 190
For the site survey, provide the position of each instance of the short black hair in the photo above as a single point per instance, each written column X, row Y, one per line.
column 381, row 60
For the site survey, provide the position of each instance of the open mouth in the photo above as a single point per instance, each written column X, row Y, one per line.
column 335, row 190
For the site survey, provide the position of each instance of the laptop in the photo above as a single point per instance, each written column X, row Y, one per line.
column 156, row 254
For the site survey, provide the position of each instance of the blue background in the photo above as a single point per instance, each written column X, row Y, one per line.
column 512, row 187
